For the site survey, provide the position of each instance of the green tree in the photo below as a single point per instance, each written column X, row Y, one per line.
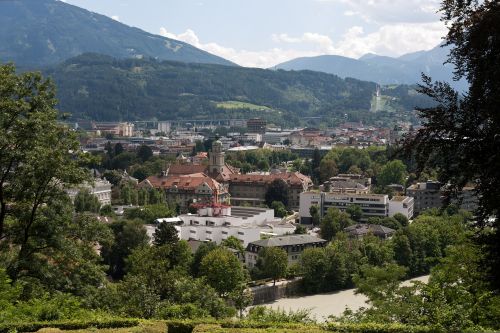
column 39, row 159
column 242, row 298
column 300, row 230
column 233, row 243
column 144, row 153
column 222, row 270
column 327, row 169
column 86, row 202
column 403, row 220
column 314, row 265
column 461, row 133
column 355, row 212
column 394, row 172
column 118, row 149
column 165, row 233
column 277, row 191
column 279, row 209
column 201, row 252
column 274, row 262
column 314, row 212
column 128, row 235
column 334, row 222
column 263, row 165
column 106, row 210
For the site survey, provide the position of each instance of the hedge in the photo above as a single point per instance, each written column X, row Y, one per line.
column 378, row 328
column 257, row 327
column 68, row 325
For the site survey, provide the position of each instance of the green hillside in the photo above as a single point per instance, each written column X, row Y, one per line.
column 103, row 88
column 36, row 33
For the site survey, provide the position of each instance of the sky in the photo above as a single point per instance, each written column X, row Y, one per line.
column 264, row 33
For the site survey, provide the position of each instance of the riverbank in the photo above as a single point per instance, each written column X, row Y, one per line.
column 324, row 305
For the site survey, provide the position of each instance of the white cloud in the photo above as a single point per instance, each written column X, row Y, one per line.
column 116, row 18
column 390, row 11
column 390, row 39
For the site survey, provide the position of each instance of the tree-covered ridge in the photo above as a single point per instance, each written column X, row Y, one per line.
column 99, row 87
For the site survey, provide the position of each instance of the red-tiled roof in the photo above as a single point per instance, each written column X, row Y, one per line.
column 293, row 178
column 185, row 182
column 186, row 169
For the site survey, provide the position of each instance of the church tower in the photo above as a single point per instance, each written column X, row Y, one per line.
column 216, row 157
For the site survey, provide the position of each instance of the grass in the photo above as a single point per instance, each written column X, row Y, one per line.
column 231, row 105
column 146, row 326
column 384, row 104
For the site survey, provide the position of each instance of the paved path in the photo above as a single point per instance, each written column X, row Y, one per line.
column 323, row 305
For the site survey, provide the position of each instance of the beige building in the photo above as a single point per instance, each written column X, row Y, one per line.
column 187, row 189
column 251, row 188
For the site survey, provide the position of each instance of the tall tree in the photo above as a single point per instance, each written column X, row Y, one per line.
column 461, row 134
column 39, row 159
column 393, row 172
column 144, row 153
column 277, row 191
column 333, row 222
column 165, row 233
column 223, row 271
column 274, row 262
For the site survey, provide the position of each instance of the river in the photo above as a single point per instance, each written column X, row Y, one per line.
column 324, row 305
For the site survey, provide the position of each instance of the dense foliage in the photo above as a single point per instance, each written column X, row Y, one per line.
column 102, row 88
column 461, row 135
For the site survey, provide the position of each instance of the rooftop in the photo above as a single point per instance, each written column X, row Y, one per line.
column 288, row 240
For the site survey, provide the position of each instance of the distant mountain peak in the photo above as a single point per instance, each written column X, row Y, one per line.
column 36, row 33
column 368, row 56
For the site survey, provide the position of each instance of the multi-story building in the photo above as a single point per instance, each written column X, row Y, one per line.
column 251, row 189
column 101, row 188
column 426, row 195
column 372, row 205
column 256, row 125
column 403, row 205
column 431, row 195
column 293, row 245
column 216, row 223
column 119, row 129
column 187, row 189
column 344, row 186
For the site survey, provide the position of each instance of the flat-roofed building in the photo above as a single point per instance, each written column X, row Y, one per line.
column 426, row 195
column 372, row 205
column 256, row 125
column 403, row 205
column 215, row 223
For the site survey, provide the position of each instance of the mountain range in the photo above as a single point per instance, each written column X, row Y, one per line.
column 36, row 33
column 406, row 69
column 106, row 70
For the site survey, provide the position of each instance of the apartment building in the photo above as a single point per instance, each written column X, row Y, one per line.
column 293, row 245
column 425, row 195
column 372, row 205
column 251, row 188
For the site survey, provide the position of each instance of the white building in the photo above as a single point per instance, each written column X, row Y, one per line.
column 101, row 188
column 401, row 204
column 216, row 223
column 164, row 126
column 372, row 205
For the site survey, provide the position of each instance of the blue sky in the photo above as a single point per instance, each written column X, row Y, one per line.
column 263, row 33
